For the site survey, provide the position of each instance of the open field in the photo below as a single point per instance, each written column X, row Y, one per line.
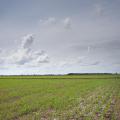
column 73, row 97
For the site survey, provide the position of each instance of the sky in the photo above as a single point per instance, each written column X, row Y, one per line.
column 59, row 36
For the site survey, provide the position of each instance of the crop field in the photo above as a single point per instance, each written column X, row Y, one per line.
column 67, row 97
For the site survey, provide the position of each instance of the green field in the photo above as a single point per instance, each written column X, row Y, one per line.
column 67, row 97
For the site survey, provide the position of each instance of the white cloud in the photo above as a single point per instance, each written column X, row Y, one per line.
column 27, row 41
column 39, row 57
column 49, row 21
column 25, row 55
column 19, row 57
column 99, row 10
column 42, row 59
column 67, row 23
column 1, row 61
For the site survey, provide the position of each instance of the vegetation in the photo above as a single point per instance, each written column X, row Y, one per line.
column 67, row 97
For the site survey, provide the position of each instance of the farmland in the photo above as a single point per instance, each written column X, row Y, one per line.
column 67, row 97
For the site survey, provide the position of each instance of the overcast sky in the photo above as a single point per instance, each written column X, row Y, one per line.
column 59, row 36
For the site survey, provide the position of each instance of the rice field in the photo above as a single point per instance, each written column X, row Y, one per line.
column 67, row 97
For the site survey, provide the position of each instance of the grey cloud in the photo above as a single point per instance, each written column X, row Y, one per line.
column 68, row 62
column 104, row 45
column 78, row 47
column 91, row 64
column 112, row 44
column 89, row 48
column 0, row 50
column 95, row 63
column 109, row 50
column 101, row 52
column 81, row 48
column 81, row 61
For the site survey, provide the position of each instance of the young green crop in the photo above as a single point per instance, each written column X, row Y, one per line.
column 65, row 97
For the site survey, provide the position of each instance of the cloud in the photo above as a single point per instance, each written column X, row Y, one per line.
column 24, row 55
column 95, row 63
column 89, row 48
column 1, row 61
column 39, row 57
column 42, row 59
column 0, row 50
column 27, row 41
column 67, row 23
column 67, row 62
column 81, row 61
column 99, row 10
column 19, row 57
column 49, row 21
column 1, row 56
column 109, row 46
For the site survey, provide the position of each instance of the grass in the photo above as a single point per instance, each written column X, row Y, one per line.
column 73, row 97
